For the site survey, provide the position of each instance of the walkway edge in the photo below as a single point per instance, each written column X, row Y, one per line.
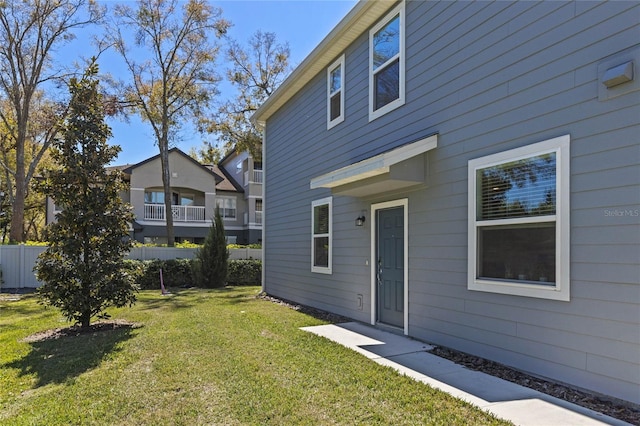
column 509, row 401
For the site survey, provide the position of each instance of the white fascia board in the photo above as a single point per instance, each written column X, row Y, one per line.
column 374, row 166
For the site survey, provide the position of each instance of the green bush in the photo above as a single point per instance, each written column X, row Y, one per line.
column 211, row 264
column 242, row 246
column 177, row 272
column 245, row 272
column 135, row 269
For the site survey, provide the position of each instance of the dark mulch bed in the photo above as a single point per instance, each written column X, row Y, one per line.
column 308, row 310
column 77, row 330
column 581, row 398
column 584, row 399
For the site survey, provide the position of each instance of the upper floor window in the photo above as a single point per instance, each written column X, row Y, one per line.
column 335, row 93
column 386, row 64
column 180, row 199
column 321, row 230
column 154, row 197
column 519, row 221
column 227, row 207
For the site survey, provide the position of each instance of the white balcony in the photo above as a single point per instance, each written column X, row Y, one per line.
column 179, row 213
column 255, row 177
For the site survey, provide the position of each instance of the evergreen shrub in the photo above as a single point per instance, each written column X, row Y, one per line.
column 210, row 266
column 245, row 272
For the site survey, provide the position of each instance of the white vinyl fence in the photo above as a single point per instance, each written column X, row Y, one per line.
column 17, row 261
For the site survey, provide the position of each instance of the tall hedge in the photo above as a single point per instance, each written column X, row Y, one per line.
column 177, row 272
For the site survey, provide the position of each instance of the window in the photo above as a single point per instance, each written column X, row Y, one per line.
column 180, row 199
column 519, row 221
column 386, row 64
column 154, row 197
column 321, row 229
column 227, row 207
column 258, row 211
column 335, row 93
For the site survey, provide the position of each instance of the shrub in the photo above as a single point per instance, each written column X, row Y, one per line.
column 175, row 273
column 135, row 269
column 245, row 272
column 241, row 246
column 210, row 267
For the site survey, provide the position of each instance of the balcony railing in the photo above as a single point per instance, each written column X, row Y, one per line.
column 179, row 213
column 256, row 177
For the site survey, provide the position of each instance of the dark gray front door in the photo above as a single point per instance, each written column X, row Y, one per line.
column 390, row 266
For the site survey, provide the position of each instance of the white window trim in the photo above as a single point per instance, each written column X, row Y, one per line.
column 373, row 114
column 322, row 269
column 561, row 147
column 338, row 63
column 223, row 208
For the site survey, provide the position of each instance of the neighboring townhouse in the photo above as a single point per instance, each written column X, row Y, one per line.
column 468, row 174
column 241, row 168
column 197, row 190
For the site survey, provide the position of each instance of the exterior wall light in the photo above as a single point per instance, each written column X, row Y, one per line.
column 618, row 74
column 360, row 220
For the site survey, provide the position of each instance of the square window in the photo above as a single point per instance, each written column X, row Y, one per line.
column 386, row 64
column 519, row 221
column 321, row 232
column 227, row 207
column 335, row 93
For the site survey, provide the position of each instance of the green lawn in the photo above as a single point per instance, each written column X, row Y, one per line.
column 202, row 357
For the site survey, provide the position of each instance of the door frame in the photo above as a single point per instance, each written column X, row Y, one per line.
column 403, row 202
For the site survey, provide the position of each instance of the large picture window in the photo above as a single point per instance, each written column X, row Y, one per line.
column 335, row 93
column 519, row 221
column 321, row 229
column 386, row 64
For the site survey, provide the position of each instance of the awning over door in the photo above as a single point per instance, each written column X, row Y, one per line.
column 396, row 169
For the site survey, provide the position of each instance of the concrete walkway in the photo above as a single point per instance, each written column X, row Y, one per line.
column 520, row 405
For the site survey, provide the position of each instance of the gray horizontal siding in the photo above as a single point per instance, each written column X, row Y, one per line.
column 487, row 77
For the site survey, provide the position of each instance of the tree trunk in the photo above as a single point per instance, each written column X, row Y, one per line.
column 85, row 319
column 166, row 183
column 17, row 212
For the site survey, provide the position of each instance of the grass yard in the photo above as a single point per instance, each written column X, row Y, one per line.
column 202, row 357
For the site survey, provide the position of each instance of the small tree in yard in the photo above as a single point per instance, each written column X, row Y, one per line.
column 210, row 267
column 83, row 268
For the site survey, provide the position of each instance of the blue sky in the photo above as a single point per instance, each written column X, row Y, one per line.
column 301, row 23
